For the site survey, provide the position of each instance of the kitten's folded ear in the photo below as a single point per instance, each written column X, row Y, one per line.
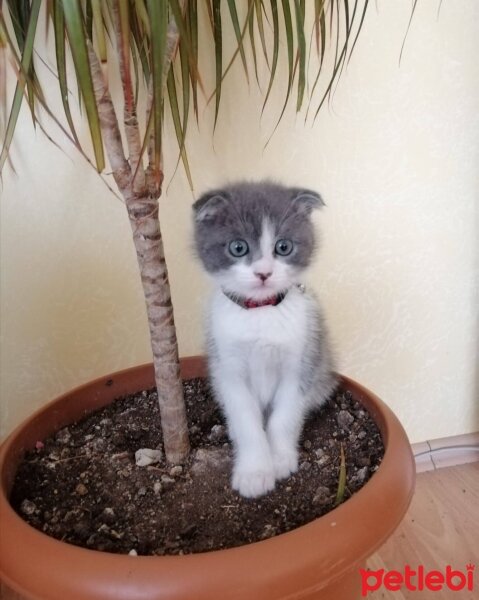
column 306, row 200
column 208, row 206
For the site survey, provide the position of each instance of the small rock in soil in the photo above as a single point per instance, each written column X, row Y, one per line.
column 321, row 495
column 109, row 515
column 167, row 481
column 218, row 432
column 27, row 507
column 324, row 460
column 361, row 474
column 345, row 419
column 212, row 458
column 147, row 456
column 63, row 436
column 81, row 489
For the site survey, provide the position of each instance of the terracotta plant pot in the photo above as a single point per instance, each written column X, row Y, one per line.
column 320, row 560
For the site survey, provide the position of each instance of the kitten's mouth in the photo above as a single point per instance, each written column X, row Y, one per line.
column 267, row 284
column 263, row 290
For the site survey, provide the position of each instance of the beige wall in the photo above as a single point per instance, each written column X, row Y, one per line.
column 396, row 158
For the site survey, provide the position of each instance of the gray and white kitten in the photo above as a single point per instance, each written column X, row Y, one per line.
column 269, row 355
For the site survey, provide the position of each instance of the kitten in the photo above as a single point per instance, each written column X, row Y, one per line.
column 269, row 355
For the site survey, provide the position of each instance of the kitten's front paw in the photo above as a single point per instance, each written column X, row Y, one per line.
column 285, row 463
column 253, row 482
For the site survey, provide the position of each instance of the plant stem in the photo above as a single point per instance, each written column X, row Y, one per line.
column 142, row 207
column 143, row 213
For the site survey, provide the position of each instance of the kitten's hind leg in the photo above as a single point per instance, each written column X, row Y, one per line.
column 253, row 472
column 284, row 428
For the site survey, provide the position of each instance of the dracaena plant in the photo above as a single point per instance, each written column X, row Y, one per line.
column 156, row 44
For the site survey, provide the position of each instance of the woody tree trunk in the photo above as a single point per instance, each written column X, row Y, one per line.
column 141, row 189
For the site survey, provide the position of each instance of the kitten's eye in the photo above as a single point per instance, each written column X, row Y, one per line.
column 283, row 247
column 238, row 248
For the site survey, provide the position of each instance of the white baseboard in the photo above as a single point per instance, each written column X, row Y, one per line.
column 446, row 452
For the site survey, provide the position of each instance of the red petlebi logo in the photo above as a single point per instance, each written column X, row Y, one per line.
column 417, row 579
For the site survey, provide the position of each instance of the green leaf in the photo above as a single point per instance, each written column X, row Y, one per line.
column 218, row 37
column 341, row 479
column 3, row 80
column 299, row 13
column 320, row 20
column 20, row 16
column 19, row 11
column 143, row 16
column 59, row 31
column 99, row 29
column 288, row 23
column 259, row 17
column 363, row 16
column 251, row 22
column 239, row 35
column 331, row 15
column 89, row 20
column 185, row 88
column 124, row 50
column 76, row 37
column 331, row 81
column 192, row 26
column 318, row 12
column 25, row 67
column 349, row 25
column 235, row 53
column 346, row 16
column 141, row 41
column 180, row 22
column 335, row 3
column 339, row 62
column 136, row 71
column 210, row 13
column 158, row 12
column 179, row 130
column 323, row 35
column 408, row 28
column 185, row 41
column 274, row 63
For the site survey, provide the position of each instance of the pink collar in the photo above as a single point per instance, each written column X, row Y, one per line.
column 250, row 303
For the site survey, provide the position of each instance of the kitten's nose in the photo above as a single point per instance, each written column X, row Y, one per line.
column 263, row 276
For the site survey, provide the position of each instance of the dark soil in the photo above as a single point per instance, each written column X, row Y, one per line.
column 84, row 487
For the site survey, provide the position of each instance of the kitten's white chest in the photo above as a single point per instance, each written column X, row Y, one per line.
column 264, row 369
column 266, row 342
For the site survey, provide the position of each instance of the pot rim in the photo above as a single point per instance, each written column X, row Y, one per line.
column 365, row 521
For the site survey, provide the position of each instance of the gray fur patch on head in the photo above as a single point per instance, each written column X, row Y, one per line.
column 238, row 211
